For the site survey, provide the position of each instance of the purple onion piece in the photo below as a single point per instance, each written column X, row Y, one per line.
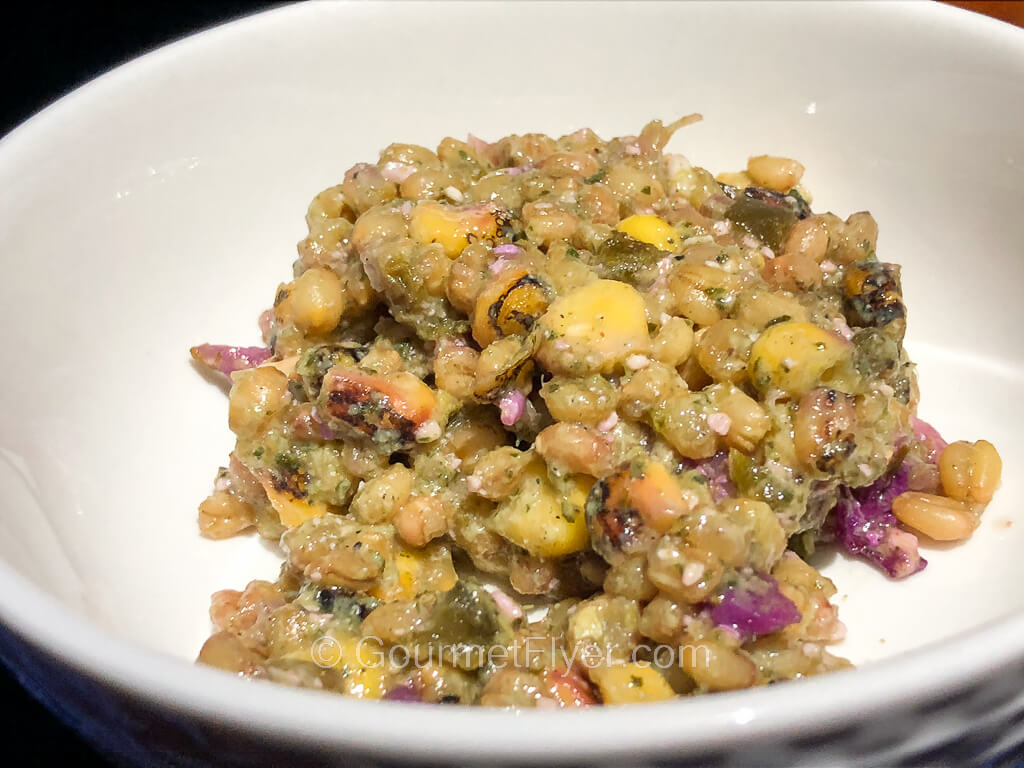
column 326, row 433
column 228, row 359
column 716, row 470
column 512, row 405
column 506, row 249
column 405, row 692
column 755, row 607
column 864, row 525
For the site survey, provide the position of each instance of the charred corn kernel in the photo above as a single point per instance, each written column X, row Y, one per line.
column 970, row 471
column 631, row 684
column 292, row 510
column 655, row 495
column 256, row 394
column 594, row 328
column 399, row 402
column 938, row 517
column 778, row 173
column 454, row 228
column 738, row 179
column 794, row 357
column 508, row 305
column 537, row 519
column 651, row 229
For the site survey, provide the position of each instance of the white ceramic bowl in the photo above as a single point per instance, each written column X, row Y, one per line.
column 158, row 207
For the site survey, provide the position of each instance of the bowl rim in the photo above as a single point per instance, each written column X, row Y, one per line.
column 798, row 709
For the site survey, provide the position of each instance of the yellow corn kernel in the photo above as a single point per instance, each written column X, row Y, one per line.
column 416, row 571
column 650, row 229
column 355, row 653
column 594, row 328
column 537, row 519
column 454, row 228
column 360, row 660
column 291, row 510
column 794, row 357
column 366, row 683
column 631, row 684
column 970, row 471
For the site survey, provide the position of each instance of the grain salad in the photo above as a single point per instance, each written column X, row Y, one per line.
column 561, row 422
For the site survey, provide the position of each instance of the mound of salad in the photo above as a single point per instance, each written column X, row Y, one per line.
column 559, row 422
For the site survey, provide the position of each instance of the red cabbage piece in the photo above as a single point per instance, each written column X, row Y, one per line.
column 864, row 525
column 228, row 359
column 755, row 607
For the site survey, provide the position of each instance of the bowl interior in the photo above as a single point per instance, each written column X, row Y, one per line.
column 159, row 207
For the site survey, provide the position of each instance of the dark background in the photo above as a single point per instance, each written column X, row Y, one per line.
column 47, row 50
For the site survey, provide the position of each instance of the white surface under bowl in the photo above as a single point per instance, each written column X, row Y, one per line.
column 159, row 206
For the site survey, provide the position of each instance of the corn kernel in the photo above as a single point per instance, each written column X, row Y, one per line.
column 366, row 683
column 594, row 328
column 291, row 510
column 651, row 229
column 535, row 519
column 655, row 495
column 360, row 660
column 508, row 305
column 631, row 684
column 454, row 228
column 794, row 357
column 417, row 571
